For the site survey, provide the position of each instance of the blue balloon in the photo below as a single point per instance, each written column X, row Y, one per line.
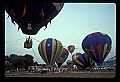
column 97, row 45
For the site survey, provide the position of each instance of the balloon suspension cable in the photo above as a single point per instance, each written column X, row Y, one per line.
column 36, row 39
column 15, row 40
column 33, row 52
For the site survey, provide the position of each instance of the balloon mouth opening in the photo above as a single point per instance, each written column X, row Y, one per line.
column 32, row 30
column 29, row 28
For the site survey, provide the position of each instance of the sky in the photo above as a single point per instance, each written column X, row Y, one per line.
column 73, row 23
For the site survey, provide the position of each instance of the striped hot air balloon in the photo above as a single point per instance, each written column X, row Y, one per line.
column 82, row 61
column 50, row 50
column 97, row 45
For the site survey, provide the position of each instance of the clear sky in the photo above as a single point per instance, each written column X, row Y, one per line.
column 74, row 22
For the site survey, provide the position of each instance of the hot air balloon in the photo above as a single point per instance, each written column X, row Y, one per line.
column 97, row 45
column 63, row 57
column 50, row 50
column 71, row 48
column 82, row 61
column 31, row 17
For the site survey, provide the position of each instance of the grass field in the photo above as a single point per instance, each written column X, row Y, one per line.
column 70, row 74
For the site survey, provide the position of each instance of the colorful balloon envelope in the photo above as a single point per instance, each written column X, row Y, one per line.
column 63, row 57
column 71, row 48
column 97, row 45
column 50, row 50
column 31, row 17
column 82, row 61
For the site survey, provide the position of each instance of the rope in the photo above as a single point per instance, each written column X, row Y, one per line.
column 36, row 39
column 33, row 52
column 15, row 40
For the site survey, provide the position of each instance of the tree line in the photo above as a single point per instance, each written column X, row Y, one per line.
column 14, row 62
